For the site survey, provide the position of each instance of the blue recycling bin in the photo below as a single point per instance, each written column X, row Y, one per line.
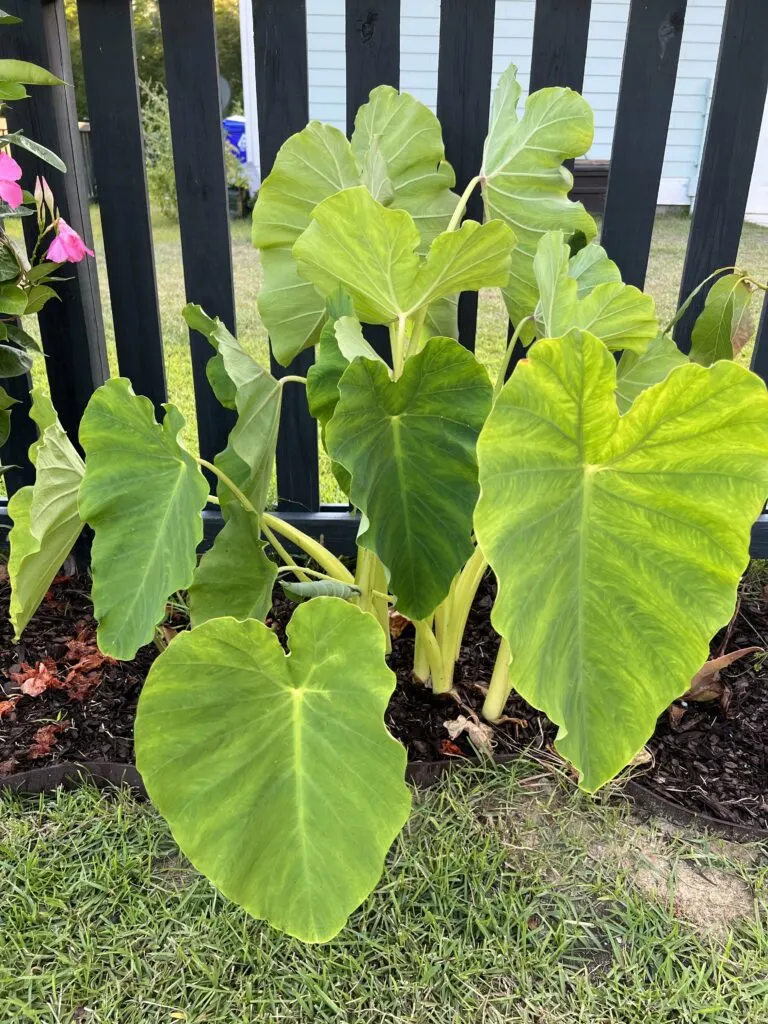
column 234, row 129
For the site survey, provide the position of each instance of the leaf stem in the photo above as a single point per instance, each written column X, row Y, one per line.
column 498, row 691
column 336, row 569
column 291, row 378
column 227, row 483
column 397, row 343
column 289, row 562
column 694, row 293
column 507, row 356
column 461, row 206
column 440, row 684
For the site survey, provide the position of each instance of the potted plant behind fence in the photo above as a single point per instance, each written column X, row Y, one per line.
column 611, row 497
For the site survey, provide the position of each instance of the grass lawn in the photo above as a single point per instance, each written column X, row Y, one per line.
column 664, row 275
column 508, row 899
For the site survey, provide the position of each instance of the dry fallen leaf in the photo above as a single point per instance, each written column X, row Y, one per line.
column 7, row 706
column 32, row 681
column 480, row 735
column 449, row 749
column 8, row 767
column 706, row 684
column 45, row 738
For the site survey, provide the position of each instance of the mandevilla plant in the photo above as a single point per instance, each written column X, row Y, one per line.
column 612, row 502
column 25, row 280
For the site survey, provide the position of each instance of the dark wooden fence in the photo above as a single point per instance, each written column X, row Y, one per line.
column 72, row 330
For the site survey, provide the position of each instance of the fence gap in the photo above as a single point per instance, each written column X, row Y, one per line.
column 373, row 58
column 192, row 80
column 280, row 45
column 648, row 75
column 72, row 330
column 463, row 107
column 117, row 145
column 736, row 113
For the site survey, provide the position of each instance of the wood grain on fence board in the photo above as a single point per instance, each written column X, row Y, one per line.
column 71, row 329
column 192, row 80
column 117, row 145
column 560, row 30
column 463, row 106
column 280, row 45
column 736, row 113
column 648, row 76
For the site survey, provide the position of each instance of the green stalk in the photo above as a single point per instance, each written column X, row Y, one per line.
column 431, row 651
column 397, row 342
column 335, row 569
column 498, row 691
column 694, row 293
column 380, row 600
column 458, row 213
column 227, row 483
column 281, row 551
column 507, row 356
column 461, row 597
column 420, row 658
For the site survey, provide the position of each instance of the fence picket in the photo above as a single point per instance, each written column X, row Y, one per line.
column 463, row 107
column 109, row 65
column 648, row 76
column 560, row 31
column 736, row 113
column 72, row 331
column 280, row 29
column 192, row 79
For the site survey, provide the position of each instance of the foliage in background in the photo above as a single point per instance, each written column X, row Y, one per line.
column 161, row 180
column 149, row 47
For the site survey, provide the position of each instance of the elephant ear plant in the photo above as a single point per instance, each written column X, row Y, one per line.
column 613, row 504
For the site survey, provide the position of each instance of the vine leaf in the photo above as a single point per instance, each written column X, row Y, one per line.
column 724, row 325
column 617, row 541
column 320, row 792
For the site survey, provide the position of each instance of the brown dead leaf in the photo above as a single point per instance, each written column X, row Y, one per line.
column 7, row 706
column 480, row 735
column 642, row 757
column 397, row 623
column 8, row 767
column 706, row 684
column 676, row 713
column 449, row 749
column 32, row 681
column 45, row 738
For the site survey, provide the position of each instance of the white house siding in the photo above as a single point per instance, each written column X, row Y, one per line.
column 420, row 28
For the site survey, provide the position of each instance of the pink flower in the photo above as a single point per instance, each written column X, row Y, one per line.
column 10, row 172
column 67, row 246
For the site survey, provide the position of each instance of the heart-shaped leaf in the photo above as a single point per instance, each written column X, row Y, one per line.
column 143, row 494
column 724, row 325
column 619, row 314
column 409, row 446
column 617, row 541
column 46, row 521
column 524, row 182
column 235, row 577
column 276, row 773
column 385, row 277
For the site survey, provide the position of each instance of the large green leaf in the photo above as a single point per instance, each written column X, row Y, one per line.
column 591, row 267
column 241, row 383
column 39, row 150
column 46, row 521
column 235, row 577
column 524, row 182
column 638, row 371
column 276, row 773
column 619, row 314
column 409, row 446
column 384, row 276
column 28, row 74
column 409, row 139
column 724, row 325
column 617, row 542
column 143, row 494
column 310, row 166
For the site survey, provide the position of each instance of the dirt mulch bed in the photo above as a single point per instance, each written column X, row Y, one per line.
column 708, row 757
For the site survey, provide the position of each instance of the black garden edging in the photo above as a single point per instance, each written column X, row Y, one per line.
column 421, row 773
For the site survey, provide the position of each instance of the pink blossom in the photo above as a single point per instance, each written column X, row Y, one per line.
column 10, row 172
column 67, row 246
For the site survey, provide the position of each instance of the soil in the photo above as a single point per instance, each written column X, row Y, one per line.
column 710, row 757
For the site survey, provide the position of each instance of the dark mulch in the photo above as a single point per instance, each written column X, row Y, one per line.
column 710, row 757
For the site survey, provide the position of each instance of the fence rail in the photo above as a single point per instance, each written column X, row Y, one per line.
column 72, row 331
